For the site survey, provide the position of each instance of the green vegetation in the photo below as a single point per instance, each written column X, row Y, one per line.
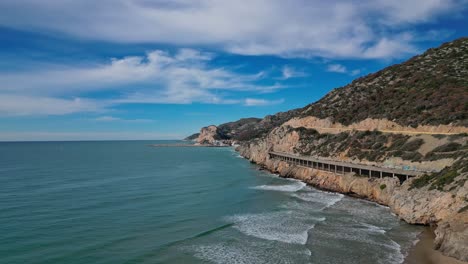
column 429, row 89
column 449, row 147
column 421, row 181
column 413, row 145
column 192, row 137
column 443, row 178
column 383, row 186
column 457, row 136
column 450, row 150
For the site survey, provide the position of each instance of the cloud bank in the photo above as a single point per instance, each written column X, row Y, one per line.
column 298, row 28
column 183, row 77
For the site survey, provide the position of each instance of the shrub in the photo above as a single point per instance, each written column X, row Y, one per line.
column 383, row 186
column 436, row 156
column 457, row 136
column 444, row 179
column 398, row 143
column 413, row 156
column 413, row 145
column 439, row 136
column 421, row 181
column 449, row 147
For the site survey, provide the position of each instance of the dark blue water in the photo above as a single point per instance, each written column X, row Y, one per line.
column 127, row 202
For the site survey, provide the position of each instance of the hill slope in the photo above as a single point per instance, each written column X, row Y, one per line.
column 409, row 116
column 429, row 89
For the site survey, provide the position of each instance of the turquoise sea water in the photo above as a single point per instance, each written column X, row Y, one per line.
column 126, row 202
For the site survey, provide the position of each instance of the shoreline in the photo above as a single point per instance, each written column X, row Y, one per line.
column 423, row 252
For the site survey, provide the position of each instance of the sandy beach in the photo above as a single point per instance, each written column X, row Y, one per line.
column 424, row 253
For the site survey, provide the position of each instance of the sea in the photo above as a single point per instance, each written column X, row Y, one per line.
column 129, row 202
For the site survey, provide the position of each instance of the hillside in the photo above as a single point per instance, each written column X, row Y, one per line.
column 192, row 137
column 246, row 128
column 411, row 116
column 429, row 89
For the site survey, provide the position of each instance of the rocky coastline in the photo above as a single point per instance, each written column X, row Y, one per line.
column 408, row 116
column 444, row 211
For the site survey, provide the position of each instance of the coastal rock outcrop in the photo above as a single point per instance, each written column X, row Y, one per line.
column 443, row 209
column 208, row 135
column 409, row 116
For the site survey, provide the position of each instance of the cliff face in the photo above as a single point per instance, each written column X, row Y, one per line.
column 412, row 115
column 447, row 210
column 208, row 135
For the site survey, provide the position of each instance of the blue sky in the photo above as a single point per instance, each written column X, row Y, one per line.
column 142, row 69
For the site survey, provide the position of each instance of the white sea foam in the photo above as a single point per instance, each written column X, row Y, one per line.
column 271, row 226
column 249, row 252
column 285, row 226
column 294, row 187
column 324, row 198
column 222, row 254
column 395, row 255
column 373, row 228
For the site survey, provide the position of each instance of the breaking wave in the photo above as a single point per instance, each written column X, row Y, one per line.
column 294, row 187
column 285, row 226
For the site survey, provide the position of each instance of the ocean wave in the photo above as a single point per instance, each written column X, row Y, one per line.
column 324, row 198
column 247, row 252
column 284, row 226
column 395, row 255
column 225, row 254
column 373, row 228
column 294, row 187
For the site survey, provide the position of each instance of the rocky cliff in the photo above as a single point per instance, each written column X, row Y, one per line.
column 208, row 135
column 409, row 116
column 443, row 206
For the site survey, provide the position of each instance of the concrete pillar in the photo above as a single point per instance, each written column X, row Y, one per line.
column 407, row 177
column 360, row 173
column 335, row 169
column 380, row 174
column 370, row 173
column 342, row 168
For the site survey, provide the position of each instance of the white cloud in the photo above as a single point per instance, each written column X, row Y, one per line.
column 261, row 102
column 183, row 77
column 337, row 68
column 355, row 72
column 38, row 105
column 289, row 72
column 333, row 29
column 118, row 119
column 342, row 69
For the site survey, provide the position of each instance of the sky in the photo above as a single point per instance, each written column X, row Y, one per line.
column 161, row 69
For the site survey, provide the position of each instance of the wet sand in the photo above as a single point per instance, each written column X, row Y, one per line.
column 424, row 253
